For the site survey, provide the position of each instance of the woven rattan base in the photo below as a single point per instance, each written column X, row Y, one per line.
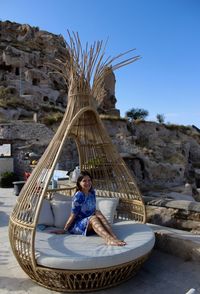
column 87, row 280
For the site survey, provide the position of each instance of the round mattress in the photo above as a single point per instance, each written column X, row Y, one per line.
column 90, row 252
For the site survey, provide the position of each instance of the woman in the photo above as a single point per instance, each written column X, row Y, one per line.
column 84, row 217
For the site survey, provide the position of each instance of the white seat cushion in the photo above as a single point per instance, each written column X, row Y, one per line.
column 46, row 214
column 80, row 252
column 108, row 207
column 61, row 212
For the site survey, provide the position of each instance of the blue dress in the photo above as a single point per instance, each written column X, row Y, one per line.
column 83, row 207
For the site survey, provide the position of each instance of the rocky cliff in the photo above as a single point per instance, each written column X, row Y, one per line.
column 162, row 157
column 28, row 84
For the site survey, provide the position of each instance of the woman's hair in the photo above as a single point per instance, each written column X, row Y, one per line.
column 81, row 176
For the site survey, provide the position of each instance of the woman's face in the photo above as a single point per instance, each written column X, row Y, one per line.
column 86, row 184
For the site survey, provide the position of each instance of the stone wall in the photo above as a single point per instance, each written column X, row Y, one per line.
column 180, row 214
column 29, row 141
column 161, row 161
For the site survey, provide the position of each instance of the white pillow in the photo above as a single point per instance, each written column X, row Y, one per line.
column 62, row 209
column 61, row 212
column 108, row 207
column 46, row 215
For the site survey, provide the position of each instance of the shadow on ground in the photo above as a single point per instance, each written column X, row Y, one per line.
column 4, row 219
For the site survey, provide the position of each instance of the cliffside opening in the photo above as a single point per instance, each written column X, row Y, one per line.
column 138, row 167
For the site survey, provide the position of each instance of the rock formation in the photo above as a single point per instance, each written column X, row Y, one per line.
column 28, row 84
column 161, row 156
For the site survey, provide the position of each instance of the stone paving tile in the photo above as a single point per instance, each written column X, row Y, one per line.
column 161, row 274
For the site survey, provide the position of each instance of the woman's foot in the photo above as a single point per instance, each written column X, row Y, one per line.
column 115, row 242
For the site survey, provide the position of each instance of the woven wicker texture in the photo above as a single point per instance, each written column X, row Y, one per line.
column 83, row 71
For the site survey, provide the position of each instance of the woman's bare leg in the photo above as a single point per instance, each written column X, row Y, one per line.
column 99, row 228
column 105, row 223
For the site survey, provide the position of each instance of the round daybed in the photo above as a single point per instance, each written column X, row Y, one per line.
column 74, row 252
column 73, row 263
column 84, row 261
column 87, row 260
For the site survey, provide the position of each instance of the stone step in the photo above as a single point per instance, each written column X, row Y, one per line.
column 177, row 242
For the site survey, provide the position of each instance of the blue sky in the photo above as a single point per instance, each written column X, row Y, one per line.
column 165, row 33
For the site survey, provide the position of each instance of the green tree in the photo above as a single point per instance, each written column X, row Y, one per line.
column 160, row 118
column 136, row 113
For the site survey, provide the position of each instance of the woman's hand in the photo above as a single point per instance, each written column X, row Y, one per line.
column 58, row 232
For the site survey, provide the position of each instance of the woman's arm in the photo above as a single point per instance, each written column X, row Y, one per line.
column 66, row 227
column 69, row 221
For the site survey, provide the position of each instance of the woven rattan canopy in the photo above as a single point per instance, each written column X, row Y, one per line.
column 83, row 72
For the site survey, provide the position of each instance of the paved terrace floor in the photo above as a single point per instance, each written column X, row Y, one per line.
column 162, row 274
